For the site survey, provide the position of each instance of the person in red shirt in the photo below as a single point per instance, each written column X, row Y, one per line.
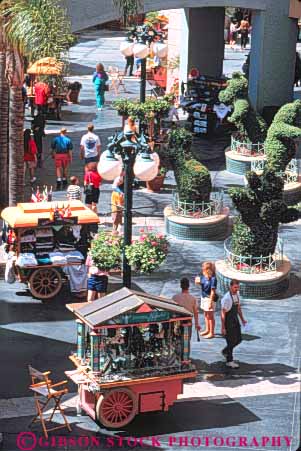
column 41, row 94
column 92, row 181
column 30, row 155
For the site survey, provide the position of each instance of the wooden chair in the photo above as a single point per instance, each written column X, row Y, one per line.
column 45, row 389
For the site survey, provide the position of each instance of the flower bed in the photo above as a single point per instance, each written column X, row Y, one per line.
column 240, row 145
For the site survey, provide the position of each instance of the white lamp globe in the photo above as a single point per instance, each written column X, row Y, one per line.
column 140, row 50
column 126, row 48
column 160, row 49
column 145, row 169
column 156, row 158
column 109, row 167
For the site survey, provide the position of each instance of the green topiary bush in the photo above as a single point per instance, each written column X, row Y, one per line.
column 194, row 182
column 261, row 209
column 193, row 179
column 249, row 123
column 280, row 146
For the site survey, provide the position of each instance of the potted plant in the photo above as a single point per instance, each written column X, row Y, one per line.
column 73, row 91
column 148, row 252
column 157, row 183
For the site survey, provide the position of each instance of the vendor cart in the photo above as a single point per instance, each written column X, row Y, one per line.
column 49, row 67
column 48, row 238
column 132, row 355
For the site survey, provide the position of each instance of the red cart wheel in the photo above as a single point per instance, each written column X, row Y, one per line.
column 116, row 408
column 45, row 283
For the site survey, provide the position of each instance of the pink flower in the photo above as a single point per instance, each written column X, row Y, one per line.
column 160, row 236
column 154, row 243
column 142, row 238
column 141, row 230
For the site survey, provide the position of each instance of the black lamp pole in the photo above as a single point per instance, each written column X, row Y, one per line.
column 143, row 80
column 128, row 162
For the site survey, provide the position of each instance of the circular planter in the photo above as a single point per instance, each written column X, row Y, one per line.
column 292, row 193
column 264, row 285
column 240, row 164
column 210, row 228
column 155, row 185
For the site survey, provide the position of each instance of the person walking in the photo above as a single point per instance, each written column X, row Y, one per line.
column 38, row 128
column 233, row 34
column 90, row 146
column 231, row 311
column 30, row 155
column 129, row 65
column 73, row 190
column 62, row 153
column 244, row 32
column 99, row 79
column 92, row 181
column 186, row 300
column 208, row 284
column 97, row 280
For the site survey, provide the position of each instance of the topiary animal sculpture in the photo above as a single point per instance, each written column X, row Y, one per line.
column 193, row 179
column 280, row 146
column 249, row 123
column 261, row 209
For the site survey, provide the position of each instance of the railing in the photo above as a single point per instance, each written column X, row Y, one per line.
column 245, row 148
column 251, row 264
column 198, row 209
column 290, row 175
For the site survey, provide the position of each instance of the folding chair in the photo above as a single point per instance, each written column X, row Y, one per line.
column 45, row 389
column 117, row 79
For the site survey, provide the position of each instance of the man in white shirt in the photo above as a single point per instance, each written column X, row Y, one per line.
column 231, row 310
column 90, row 146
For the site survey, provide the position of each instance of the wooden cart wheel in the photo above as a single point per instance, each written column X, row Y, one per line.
column 45, row 283
column 116, row 408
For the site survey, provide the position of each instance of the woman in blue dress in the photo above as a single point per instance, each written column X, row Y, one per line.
column 208, row 284
column 99, row 79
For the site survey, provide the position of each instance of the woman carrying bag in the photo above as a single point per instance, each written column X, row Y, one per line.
column 99, row 79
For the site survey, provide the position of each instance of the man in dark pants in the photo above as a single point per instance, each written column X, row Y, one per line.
column 231, row 310
column 129, row 64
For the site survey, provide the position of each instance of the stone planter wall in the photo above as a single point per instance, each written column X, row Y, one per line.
column 265, row 285
column 211, row 228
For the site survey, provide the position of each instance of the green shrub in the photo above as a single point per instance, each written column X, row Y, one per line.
column 249, row 123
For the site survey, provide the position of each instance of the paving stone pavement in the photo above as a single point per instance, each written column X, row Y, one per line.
column 262, row 398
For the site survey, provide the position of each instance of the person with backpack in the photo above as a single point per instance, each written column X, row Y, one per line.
column 90, row 146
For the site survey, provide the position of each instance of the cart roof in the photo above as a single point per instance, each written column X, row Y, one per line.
column 46, row 66
column 121, row 303
column 28, row 214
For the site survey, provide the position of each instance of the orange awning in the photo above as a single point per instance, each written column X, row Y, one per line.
column 46, row 66
column 28, row 214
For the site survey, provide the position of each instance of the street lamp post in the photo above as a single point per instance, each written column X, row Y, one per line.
column 138, row 44
column 136, row 158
